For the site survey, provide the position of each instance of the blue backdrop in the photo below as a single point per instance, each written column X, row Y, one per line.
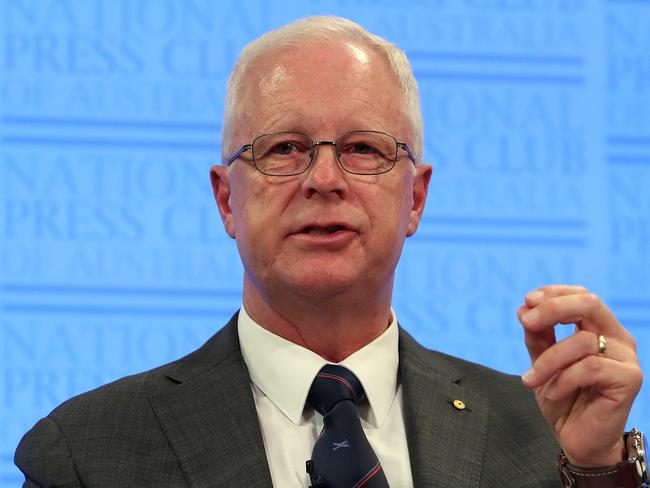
column 113, row 260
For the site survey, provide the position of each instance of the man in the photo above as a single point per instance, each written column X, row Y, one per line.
column 322, row 183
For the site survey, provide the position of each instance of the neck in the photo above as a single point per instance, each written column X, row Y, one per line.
column 333, row 327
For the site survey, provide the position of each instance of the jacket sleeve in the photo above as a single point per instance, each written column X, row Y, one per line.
column 44, row 458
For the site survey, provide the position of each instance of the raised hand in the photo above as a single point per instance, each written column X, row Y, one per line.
column 584, row 384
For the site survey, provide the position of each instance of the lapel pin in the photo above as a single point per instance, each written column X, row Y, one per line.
column 458, row 404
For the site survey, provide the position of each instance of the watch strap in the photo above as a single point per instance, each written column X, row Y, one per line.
column 623, row 475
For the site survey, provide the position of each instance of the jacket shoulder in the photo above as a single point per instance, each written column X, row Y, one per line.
column 510, row 401
column 105, row 429
column 493, row 385
column 136, row 388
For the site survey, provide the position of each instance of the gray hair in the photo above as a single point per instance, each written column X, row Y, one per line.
column 327, row 28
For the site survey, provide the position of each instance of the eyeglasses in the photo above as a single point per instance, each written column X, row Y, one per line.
column 361, row 152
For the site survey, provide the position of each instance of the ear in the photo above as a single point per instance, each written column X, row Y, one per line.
column 420, row 189
column 221, row 190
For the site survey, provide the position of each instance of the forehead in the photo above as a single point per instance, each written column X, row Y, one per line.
column 321, row 85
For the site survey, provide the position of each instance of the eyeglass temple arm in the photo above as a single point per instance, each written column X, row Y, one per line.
column 235, row 156
column 405, row 146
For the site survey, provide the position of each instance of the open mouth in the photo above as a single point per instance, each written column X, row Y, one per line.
column 322, row 231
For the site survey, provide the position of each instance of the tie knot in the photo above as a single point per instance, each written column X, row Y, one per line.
column 333, row 384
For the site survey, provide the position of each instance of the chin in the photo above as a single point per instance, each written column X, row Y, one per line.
column 317, row 284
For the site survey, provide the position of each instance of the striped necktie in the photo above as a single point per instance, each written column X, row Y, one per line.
column 342, row 456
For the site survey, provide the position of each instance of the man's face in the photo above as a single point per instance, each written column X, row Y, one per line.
column 324, row 232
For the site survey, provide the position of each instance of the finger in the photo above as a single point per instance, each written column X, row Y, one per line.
column 535, row 297
column 613, row 379
column 571, row 350
column 536, row 341
column 584, row 309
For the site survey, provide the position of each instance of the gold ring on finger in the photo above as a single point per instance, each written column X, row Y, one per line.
column 602, row 344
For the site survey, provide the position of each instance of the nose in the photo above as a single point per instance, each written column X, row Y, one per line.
column 325, row 175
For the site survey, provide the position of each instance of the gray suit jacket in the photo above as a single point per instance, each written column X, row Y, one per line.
column 193, row 423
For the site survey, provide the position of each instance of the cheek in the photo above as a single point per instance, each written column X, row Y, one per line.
column 254, row 238
column 257, row 213
column 392, row 210
column 251, row 223
column 389, row 227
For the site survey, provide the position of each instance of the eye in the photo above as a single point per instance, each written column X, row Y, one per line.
column 361, row 148
column 283, row 148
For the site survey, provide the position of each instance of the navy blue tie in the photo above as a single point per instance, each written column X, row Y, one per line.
column 342, row 456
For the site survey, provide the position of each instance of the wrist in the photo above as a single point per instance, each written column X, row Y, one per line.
column 631, row 472
column 607, row 458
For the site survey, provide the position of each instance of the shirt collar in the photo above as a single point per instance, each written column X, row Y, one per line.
column 284, row 371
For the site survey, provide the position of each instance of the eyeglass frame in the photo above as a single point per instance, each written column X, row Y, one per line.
column 314, row 144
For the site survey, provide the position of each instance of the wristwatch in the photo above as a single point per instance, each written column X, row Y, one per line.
column 632, row 472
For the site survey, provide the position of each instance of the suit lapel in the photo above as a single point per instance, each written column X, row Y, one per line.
column 446, row 444
column 210, row 417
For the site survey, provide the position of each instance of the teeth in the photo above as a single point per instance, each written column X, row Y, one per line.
column 321, row 231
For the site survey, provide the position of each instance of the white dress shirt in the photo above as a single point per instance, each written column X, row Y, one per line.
column 281, row 375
